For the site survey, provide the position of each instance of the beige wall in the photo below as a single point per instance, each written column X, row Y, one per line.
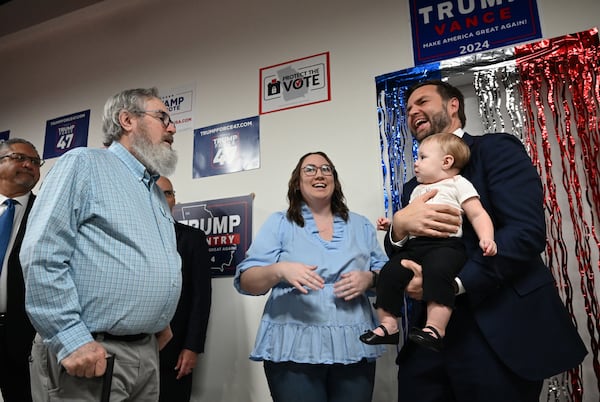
column 77, row 61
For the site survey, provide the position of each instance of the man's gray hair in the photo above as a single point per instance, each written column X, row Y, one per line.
column 4, row 144
column 131, row 100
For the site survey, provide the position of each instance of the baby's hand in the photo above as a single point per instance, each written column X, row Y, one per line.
column 489, row 247
column 383, row 224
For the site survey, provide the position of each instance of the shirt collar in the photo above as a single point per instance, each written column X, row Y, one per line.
column 21, row 200
column 459, row 132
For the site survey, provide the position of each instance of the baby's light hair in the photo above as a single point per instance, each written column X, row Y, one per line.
column 453, row 145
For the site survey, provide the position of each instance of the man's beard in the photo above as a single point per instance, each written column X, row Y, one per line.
column 157, row 158
column 25, row 182
column 438, row 123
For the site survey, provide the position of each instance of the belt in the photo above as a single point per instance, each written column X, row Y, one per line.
column 105, row 336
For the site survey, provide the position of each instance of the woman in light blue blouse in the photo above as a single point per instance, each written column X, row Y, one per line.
column 318, row 259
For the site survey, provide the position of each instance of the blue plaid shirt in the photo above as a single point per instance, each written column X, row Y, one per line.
column 99, row 254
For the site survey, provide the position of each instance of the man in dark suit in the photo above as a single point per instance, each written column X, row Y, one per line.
column 189, row 325
column 509, row 330
column 19, row 172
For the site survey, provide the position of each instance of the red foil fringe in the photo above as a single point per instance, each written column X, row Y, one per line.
column 560, row 88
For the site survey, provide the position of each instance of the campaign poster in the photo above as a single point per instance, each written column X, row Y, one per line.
column 4, row 135
column 226, row 148
column 227, row 223
column 180, row 103
column 446, row 29
column 65, row 133
column 295, row 83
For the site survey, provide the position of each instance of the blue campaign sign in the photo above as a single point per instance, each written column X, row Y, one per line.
column 65, row 133
column 227, row 223
column 226, row 148
column 448, row 29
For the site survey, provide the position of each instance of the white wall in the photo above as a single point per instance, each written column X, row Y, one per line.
column 76, row 62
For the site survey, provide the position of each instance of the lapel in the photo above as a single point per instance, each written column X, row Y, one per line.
column 15, row 273
column 21, row 232
column 15, row 294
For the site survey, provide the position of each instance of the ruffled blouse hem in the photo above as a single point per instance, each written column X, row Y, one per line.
column 314, row 344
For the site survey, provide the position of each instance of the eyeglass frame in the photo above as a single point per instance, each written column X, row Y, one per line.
column 311, row 166
column 169, row 193
column 20, row 158
column 164, row 118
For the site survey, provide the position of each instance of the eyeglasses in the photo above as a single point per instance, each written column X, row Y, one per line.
column 20, row 158
column 164, row 117
column 311, row 170
column 169, row 193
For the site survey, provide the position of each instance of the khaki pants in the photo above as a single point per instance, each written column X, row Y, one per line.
column 135, row 374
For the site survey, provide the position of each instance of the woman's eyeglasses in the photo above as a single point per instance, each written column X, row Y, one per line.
column 311, row 170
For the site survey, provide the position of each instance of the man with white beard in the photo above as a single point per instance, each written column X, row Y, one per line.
column 100, row 260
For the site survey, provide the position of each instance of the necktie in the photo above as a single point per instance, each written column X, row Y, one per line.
column 6, row 224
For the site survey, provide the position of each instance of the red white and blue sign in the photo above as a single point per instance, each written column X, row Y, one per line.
column 295, row 83
column 448, row 29
column 227, row 223
column 65, row 133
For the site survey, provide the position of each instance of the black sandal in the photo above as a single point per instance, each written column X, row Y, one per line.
column 426, row 339
column 371, row 338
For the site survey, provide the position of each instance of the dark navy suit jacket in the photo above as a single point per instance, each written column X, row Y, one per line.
column 513, row 295
column 19, row 331
column 190, row 322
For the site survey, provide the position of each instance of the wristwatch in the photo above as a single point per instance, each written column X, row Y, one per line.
column 375, row 279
